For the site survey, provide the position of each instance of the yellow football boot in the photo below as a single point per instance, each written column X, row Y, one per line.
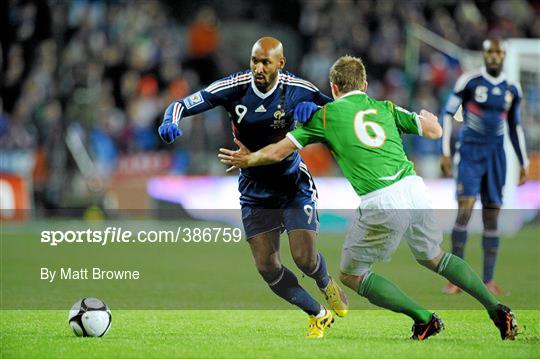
column 316, row 326
column 336, row 298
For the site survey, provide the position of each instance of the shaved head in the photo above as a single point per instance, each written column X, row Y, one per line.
column 266, row 61
column 268, row 45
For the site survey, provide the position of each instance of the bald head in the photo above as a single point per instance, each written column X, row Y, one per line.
column 268, row 45
column 266, row 61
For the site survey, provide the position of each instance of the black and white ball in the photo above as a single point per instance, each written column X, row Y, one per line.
column 90, row 317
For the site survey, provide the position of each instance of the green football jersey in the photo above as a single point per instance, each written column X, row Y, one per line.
column 364, row 136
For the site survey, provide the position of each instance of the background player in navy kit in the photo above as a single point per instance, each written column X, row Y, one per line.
column 488, row 99
column 260, row 102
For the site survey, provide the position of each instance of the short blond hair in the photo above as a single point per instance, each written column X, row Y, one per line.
column 348, row 73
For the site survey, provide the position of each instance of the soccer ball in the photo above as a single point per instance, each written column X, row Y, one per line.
column 90, row 317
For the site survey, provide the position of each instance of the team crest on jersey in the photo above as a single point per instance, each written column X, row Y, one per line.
column 279, row 113
column 279, row 121
column 194, row 100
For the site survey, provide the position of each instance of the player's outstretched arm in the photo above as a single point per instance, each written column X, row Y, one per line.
column 430, row 125
column 243, row 157
column 216, row 94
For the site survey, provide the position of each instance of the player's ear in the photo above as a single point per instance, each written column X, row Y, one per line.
column 282, row 62
column 335, row 90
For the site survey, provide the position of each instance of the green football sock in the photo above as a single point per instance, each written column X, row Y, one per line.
column 386, row 294
column 457, row 271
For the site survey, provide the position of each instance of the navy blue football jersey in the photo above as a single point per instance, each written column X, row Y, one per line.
column 258, row 119
column 487, row 102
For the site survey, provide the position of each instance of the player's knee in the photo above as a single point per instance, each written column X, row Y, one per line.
column 306, row 262
column 351, row 281
column 269, row 270
column 431, row 263
column 464, row 211
column 463, row 217
column 490, row 216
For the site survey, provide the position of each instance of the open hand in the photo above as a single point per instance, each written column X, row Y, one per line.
column 236, row 159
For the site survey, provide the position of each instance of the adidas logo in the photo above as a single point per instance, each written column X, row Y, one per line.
column 260, row 109
column 496, row 91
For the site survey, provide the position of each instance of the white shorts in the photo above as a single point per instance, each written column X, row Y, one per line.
column 402, row 209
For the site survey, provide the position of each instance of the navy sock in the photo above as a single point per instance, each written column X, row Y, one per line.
column 287, row 287
column 490, row 244
column 459, row 238
column 320, row 274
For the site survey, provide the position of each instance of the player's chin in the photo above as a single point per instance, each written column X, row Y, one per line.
column 261, row 84
column 261, row 81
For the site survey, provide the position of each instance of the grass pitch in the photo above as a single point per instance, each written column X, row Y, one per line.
column 261, row 334
column 194, row 277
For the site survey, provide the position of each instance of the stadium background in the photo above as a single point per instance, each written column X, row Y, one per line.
column 85, row 83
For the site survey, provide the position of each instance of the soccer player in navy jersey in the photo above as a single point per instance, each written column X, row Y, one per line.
column 488, row 100
column 278, row 197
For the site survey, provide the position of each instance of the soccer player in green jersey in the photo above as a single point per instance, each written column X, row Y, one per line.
column 365, row 137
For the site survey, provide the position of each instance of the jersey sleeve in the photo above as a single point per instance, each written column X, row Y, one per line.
column 458, row 95
column 456, row 99
column 321, row 99
column 218, row 93
column 515, row 131
column 406, row 121
column 310, row 132
column 514, row 114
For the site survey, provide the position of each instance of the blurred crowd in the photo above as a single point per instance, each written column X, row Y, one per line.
column 101, row 73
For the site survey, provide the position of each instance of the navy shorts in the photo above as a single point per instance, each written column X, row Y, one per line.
column 481, row 170
column 286, row 202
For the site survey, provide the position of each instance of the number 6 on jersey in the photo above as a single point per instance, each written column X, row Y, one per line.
column 361, row 129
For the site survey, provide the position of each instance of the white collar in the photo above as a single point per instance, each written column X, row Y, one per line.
column 493, row 80
column 353, row 92
column 264, row 95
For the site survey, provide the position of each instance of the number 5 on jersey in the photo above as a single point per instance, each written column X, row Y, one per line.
column 374, row 139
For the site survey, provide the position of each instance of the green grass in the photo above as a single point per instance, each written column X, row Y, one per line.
column 261, row 334
column 217, row 280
